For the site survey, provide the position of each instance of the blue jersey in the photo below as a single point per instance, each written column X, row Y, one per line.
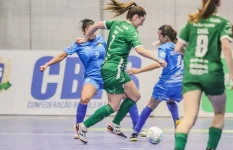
column 91, row 54
column 172, row 75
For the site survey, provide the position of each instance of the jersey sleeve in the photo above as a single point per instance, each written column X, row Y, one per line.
column 184, row 35
column 133, row 39
column 161, row 53
column 72, row 49
column 109, row 23
column 226, row 31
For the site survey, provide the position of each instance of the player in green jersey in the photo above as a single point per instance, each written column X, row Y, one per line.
column 123, row 36
column 206, row 35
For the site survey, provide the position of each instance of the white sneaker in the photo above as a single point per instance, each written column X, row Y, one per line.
column 82, row 134
column 116, row 130
column 143, row 133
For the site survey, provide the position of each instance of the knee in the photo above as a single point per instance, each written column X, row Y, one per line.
column 85, row 99
column 115, row 107
column 137, row 97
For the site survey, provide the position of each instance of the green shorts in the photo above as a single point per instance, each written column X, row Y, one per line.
column 210, row 84
column 114, row 80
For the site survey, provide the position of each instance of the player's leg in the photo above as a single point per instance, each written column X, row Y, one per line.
column 133, row 95
column 115, row 91
column 191, row 108
column 217, row 98
column 103, row 112
column 215, row 131
column 175, row 96
column 173, row 108
column 133, row 112
column 153, row 103
column 89, row 89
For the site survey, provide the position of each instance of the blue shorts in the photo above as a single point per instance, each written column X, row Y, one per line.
column 162, row 92
column 97, row 83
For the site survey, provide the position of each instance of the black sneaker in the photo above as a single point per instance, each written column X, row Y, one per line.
column 209, row 149
column 133, row 137
column 116, row 130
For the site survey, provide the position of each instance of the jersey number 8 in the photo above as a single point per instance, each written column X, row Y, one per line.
column 202, row 45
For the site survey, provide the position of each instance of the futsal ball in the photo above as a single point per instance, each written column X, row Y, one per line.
column 154, row 135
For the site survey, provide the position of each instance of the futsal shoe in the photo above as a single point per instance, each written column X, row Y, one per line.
column 143, row 133
column 116, row 129
column 82, row 134
column 177, row 122
column 133, row 137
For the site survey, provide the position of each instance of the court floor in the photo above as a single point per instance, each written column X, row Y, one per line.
column 56, row 133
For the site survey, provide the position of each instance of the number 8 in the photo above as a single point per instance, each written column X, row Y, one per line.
column 202, row 45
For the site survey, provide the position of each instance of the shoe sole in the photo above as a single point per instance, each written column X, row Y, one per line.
column 110, row 131
column 133, row 139
column 85, row 142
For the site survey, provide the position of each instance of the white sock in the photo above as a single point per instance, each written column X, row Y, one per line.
column 115, row 125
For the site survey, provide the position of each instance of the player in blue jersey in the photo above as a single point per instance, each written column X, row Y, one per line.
column 169, row 86
column 91, row 54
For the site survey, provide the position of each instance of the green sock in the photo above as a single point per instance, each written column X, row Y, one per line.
column 180, row 141
column 98, row 115
column 214, row 137
column 124, row 109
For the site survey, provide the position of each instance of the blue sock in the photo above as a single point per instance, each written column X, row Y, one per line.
column 81, row 112
column 134, row 114
column 142, row 119
column 172, row 106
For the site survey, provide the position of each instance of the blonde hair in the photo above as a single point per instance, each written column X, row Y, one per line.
column 120, row 8
column 209, row 7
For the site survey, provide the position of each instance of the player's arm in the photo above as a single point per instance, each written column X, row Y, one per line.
column 92, row 29
column 57, row 58
column 183, row 39
column 226, row 38
column 143, row 52
column 180, row 47
column 54, row 60
column 150, row 67
column 226, row 49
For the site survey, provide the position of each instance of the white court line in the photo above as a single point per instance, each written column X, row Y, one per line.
column 57, row 134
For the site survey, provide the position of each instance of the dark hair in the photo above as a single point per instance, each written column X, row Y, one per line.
column 167, row 30
column 209, row 7
column 120, row 8
column 85, row 23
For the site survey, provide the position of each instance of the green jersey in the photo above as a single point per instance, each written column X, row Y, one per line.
column 203, row 53
column 123, row 36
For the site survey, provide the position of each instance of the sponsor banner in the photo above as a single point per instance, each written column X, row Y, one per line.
column 24, row 90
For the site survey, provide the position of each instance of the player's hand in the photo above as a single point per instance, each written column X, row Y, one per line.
column 80, row 40
column 43, row 68
column 163, row 63
column 133, row 71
